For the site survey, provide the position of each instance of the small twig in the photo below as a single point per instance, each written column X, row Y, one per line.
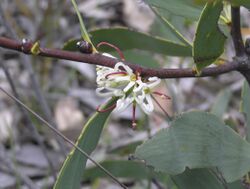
column 64, row 137
column 98, row 59
column 240, row 50
column 236, row 32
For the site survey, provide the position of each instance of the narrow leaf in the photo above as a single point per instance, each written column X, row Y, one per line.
column 71, row 173
column 70, row 45
column 168, row 29
column 125, row 149
column 209, row 40
column 245, row 3
column 141, row 58
column 120, row 169
column 184, row 8
column 245, row 107
column 84, row 32
column 172, row 16
column 197, row 140
column 127, row 39
column 162, row 29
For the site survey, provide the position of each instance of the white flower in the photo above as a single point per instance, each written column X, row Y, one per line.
column 141, row 94
column 145, row 99
column 128, row 86
column 114, row 81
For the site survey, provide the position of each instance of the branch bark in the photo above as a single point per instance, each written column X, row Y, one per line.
column 236, row 32
column 240, row 49
column 98, row 59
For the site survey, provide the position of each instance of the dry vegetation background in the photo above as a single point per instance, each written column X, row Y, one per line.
column 63, row 92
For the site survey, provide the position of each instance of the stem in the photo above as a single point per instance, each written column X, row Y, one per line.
column 238, row 43
column 236, row 32
column 84, row 32
column 98, row 59
column 133, row 116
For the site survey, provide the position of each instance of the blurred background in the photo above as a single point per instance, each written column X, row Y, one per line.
column 63, row 92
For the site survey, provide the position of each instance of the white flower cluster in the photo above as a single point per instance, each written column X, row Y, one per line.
column 128, row 86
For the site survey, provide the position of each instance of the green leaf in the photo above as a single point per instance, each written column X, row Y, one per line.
column 127, row 170
column 70, row 45
column 172, row 17
column 197, row 179
column 201, row 178
column 245, row 106
column 125, row 149
column 183, row 8
column 164, row 30
column 163, row 26
column 236, row 185
column 142, row 58
column 71, row 173
column 84, row 32
column 197, row 140
column 245, row 3
column 132, row 40
column 209, row 40
column 127, row 39
column 221, row 102
column 121, row 169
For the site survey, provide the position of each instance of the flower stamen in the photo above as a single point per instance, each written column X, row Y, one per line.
column 163, row 96
column 121, row 73
column 106, row 109
column 133, row 116
column 137, row 74
column 114, row 47
column 165, row 112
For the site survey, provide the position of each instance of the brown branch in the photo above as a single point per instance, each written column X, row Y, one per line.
column 98, row 59
column 240, row 50
column 236, row 32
